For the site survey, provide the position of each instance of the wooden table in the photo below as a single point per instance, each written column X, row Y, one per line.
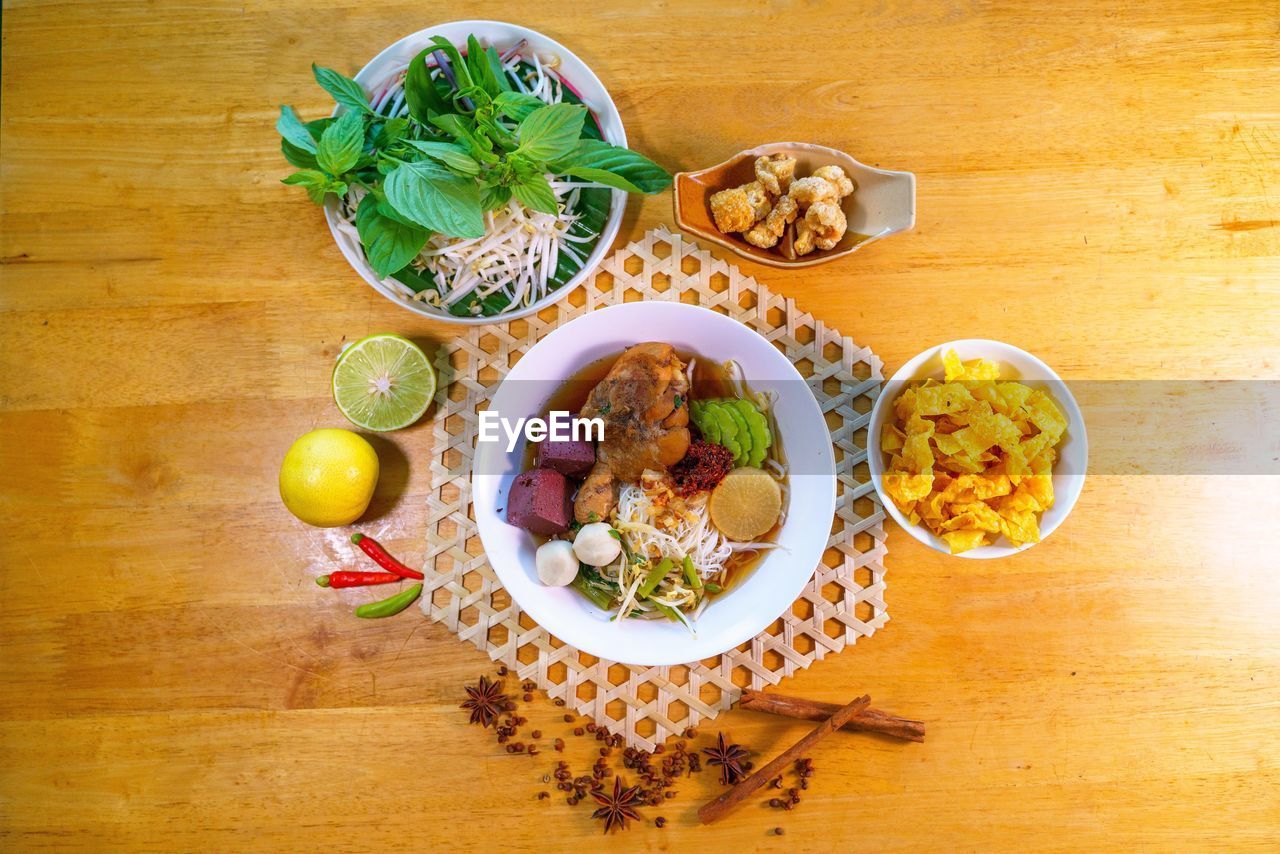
column 1096, row 184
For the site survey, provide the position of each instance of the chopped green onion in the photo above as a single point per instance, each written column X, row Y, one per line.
column 655, row 575
column 691, row 574
column 598, row 597
column 712, row 587
column 667, row 611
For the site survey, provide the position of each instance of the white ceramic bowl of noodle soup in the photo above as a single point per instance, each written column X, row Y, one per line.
column 1015, row 364
column 767, row 590
column 573, row 70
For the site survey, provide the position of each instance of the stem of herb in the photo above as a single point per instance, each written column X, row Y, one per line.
column 446, row 69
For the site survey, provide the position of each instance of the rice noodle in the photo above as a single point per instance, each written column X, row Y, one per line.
column 653, row 526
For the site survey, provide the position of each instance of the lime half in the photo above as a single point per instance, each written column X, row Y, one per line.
column 383, row 382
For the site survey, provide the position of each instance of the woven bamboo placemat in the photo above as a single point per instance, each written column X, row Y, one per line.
column 843, row 602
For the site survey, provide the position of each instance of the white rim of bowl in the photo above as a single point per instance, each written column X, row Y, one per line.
column 875, row 457
column 605, row 112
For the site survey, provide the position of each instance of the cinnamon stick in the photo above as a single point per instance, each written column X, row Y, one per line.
column 724, row 804
column 868, row 720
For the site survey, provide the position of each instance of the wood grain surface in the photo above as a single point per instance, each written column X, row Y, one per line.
column 1097, row 184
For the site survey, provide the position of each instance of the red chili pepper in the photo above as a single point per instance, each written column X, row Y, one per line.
column 357, row 579
column 374, row 549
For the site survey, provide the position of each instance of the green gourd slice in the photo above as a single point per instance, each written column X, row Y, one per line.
column 759, row 431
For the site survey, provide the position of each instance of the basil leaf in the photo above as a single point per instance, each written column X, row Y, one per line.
column 517, row 105
column 420, row 91
column 476, row 94
column 462, row 129
column 499, row 73
column 448, row 154
column 535, row 193
column 460, row 71
column 317, row 127
column 591, row 127
column 344, row 90
column 392, row 131
column 435, row 198
column 492, row 198
column 489, row 125
column 613, row 166
column 296, row 156
column 294, row 131
column 388, row 244
column 316, row 183
column 550, row 132
column 384, row 208
column 341, row 144
column 417, row 280
column 478, row 67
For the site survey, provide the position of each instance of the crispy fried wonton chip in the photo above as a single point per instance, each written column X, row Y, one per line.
column 971, row 457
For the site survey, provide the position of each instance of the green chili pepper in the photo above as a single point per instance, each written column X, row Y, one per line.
column 691, row 574
column 390, row 606
column 655, row 575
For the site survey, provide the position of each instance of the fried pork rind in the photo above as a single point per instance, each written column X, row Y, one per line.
column 811, row 190
column 972, row 457
column 775, row 172
column 837, row 177
column 828, row 223
column 767, row 232
column 758, row 196
column 760, row 235
column 805, row 237
column 732, row 210
column 740, row 208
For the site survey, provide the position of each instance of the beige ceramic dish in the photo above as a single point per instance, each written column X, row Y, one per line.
column 884, row 203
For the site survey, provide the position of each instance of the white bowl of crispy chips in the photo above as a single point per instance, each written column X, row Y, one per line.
column 1028, row 481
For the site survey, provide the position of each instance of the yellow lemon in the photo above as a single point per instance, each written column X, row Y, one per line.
column 327, row 477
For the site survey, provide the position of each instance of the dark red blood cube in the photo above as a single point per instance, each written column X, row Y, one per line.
column 540, row 502
column 571, row 458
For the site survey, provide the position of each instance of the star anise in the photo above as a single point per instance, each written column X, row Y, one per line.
column 730, row 758
column 617, row 806
column 486, row 701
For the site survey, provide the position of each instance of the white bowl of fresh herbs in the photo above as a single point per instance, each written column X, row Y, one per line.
column 474, row 171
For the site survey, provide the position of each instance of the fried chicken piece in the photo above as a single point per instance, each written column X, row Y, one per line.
column 775, row 172
column 642, row 401
column 768, row 231
column 828, row 223
column 837, row 177
column 732, row 210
